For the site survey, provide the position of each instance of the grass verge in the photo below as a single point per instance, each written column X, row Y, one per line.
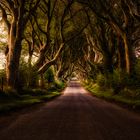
column 31, row 97
column 109, row 95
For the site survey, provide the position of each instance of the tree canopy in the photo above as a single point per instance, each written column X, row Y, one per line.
column 69, row 36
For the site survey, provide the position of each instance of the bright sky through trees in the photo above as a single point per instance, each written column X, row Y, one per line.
column 3, row 40
column 2, row 60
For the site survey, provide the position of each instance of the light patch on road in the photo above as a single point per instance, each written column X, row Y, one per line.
column 70, row 89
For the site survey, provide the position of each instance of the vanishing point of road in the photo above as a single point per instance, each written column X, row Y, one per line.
column 75, row 115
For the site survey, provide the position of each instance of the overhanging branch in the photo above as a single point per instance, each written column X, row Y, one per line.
column 51, row 62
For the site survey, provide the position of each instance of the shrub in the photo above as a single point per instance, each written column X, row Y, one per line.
column 110, row 80
column 49, row 75
column 136, row 74
column 10, row 92
column 137, row 68
column 115, row 82
column 59, row 84
column 101, row 80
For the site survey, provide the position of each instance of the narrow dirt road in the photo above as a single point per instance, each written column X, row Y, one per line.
column 75, row 115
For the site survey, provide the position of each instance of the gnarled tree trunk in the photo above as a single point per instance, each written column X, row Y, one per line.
column 13, row 56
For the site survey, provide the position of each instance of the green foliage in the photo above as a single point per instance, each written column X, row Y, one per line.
column 33, row 91
column 136, row 74
column 27, row 77
column 59, row 85
column 113, row 81
column 3, row 75
column 49, row 75
column 10, row 92
column 123, row 97
column 101, row 80
column 10, row 102
column 56, row 86
column 120, row 81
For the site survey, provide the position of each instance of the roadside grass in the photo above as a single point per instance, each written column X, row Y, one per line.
column 123, row 97
column 28, row 97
